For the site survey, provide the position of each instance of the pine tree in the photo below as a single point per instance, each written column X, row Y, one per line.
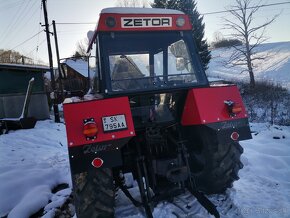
column 159, row 4
column 189, row 8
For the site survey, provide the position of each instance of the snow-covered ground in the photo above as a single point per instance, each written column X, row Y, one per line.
column 275, row 68
column 33, row 162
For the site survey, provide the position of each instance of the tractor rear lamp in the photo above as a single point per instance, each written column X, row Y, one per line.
column 236, row 109
column 90, row 129
column 97, row 162
column 111, row 22
column 233, row 108
column 235, row 136
column 180, row 22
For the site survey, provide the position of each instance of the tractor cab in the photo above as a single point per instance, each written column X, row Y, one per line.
column 145, row 51
column 149, row 56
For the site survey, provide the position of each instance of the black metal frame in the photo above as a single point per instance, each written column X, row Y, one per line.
column 104, row 70
column 147, row 200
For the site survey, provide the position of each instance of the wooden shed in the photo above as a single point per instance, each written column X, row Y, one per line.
column 14, row 80
column 76, row 71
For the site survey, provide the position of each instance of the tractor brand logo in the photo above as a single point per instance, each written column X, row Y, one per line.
column 232, row 124
column 94, row 148
column 139, row 22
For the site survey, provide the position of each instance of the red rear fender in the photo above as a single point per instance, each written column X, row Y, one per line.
column 113, row 109
column 210, row 105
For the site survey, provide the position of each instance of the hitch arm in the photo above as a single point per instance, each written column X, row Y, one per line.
column 206, row 203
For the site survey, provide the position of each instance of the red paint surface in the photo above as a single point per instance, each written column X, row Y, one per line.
column 103, row 27
column 75, row 113
column 206, row 105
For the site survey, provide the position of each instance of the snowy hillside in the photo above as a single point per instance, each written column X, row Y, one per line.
column 275, row 68
column 33, row 162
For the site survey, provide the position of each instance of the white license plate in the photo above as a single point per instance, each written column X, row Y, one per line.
column 112, row 123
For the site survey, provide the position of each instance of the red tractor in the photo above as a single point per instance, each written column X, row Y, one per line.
column 154, row 114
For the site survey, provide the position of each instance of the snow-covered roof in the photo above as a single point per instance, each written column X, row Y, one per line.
column 123, row 10
column 78, row 65
column 23, row 66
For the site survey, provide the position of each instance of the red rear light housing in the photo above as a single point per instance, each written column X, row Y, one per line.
column 90, row 129
column 233, row 108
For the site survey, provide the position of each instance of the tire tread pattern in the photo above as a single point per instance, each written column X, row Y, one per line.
column 94, row 193
column 221, row 164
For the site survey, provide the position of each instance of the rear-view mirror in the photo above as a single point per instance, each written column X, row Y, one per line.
column 180, row 64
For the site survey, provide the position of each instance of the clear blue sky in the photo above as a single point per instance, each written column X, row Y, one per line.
column 19, row 20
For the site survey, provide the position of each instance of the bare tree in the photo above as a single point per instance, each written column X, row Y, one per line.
column 14, row 57
column 132, row 3
column 81, row 48
column 217, row 36
column 251, row 35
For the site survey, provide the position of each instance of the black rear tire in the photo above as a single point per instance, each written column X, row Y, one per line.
column 214, row 166
column 94, row 194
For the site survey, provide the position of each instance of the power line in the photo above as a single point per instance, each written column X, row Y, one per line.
column 27, row 40
column 24, row 20
column 12, row 22
column 80, row 23
column 9, row 5
column 207, row 13
column 260, row 6
column 37, row 44
column 36, row 48
column 81, row 30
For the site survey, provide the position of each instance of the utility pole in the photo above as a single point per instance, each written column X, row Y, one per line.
column 89, row 76
column 57, row 58
column 55, row 106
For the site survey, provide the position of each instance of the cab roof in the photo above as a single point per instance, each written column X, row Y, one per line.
column 123, row 19
column 129, row 10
